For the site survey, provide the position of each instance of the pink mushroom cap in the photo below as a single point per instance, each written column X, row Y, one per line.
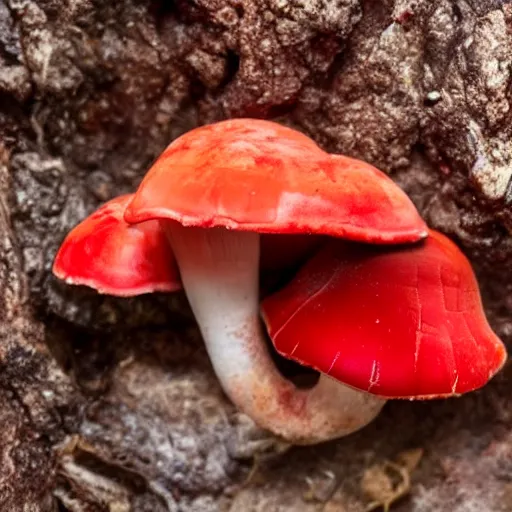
column 111, row 256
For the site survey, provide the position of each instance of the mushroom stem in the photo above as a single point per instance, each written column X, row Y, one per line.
column 219, row 270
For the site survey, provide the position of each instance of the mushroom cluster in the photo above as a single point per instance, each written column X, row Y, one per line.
column 376, row 302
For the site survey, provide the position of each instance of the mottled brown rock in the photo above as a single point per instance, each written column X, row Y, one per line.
column 37, row 401
column 110, row 404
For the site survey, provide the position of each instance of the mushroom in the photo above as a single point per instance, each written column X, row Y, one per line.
column 111, row 256
column 214, row 190
column 397, row 322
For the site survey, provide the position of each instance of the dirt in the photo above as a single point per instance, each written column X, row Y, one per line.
column 111, row 404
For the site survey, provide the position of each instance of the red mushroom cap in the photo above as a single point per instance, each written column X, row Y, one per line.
column 107, row 254
column 400, row 322
column 257, row 175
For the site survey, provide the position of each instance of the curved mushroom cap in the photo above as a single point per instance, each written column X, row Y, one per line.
column 257, row 175
column 401, row 322
column 107, row 254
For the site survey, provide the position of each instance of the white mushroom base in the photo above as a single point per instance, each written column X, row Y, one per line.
column 219, row 270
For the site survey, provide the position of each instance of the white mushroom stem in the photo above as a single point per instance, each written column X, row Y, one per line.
column 219, row 270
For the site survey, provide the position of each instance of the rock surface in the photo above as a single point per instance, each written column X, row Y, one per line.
column 111, row 404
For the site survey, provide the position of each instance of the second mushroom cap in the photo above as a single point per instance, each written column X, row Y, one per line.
column 400, row 322
column 111, row 256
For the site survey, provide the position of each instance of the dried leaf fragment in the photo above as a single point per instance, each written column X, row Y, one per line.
column 386, row 482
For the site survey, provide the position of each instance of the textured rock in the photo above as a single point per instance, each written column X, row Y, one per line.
column 38, row 403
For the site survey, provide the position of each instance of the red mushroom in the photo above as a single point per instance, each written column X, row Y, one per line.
column 259, row 176
column 107, row 254
column 398, row 322
column 214, row 190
